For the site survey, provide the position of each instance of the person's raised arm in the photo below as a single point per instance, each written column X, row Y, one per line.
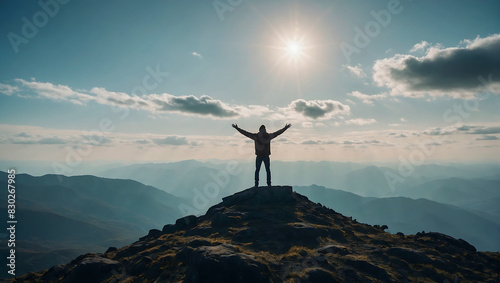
column 243, row 132
column 279, row 132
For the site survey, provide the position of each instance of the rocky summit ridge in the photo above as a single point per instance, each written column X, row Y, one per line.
column 272, row 234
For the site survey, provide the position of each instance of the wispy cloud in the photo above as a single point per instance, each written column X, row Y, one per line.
column 171, row 140
column 368, row 98
column 420, row 46
column 360, row 121
column 356, row 70
column 487, row 138
column 8, row 89
column 441, row 71
column 197, row 54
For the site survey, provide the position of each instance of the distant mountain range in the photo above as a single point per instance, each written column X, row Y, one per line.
column 60, row 215
column 411, row 215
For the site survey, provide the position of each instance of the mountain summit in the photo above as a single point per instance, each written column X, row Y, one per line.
column 272, row 234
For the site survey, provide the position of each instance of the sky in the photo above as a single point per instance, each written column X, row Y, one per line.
column 162, row 81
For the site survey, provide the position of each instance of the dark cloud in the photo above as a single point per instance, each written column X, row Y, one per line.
column 448, row 70
column 485, row 131
column 205, row 105
column 487, row 138
column 46, row 141
column 23, row 135
column 319, row 108
column 96, row 139
column 310, row 142
column 171, row 140
column 437, row 132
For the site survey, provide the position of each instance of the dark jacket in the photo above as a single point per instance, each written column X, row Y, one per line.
column 262, row 140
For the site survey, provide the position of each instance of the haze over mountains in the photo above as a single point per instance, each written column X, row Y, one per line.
column 60, row 217
column 67, row 216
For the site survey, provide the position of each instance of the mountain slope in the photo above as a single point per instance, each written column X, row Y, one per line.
column 272, row 234
column 60, row 216
column 411, row 216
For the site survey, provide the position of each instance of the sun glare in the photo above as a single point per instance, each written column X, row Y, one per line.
column 294, row 49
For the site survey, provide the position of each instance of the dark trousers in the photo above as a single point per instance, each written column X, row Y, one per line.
column 258, row 163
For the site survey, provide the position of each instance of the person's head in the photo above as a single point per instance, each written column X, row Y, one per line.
column 262, row 129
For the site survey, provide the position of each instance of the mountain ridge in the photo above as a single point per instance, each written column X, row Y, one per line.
column 272, row 234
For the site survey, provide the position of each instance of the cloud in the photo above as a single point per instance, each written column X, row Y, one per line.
column 8, row 89
column 43, row 140
column 205, row 105
column 439, row 132
column 171, row 140
column 360, row 121
column 464, row 129
column 420, row 46
column 310, row 142
column 142, row 141
column 484, row 130
column 196, row 54
column 55, row 92
column 356, row 70
column 367, row 98
column 23, row 135
column 453, row 71
column 319, row 109
column 487, row 138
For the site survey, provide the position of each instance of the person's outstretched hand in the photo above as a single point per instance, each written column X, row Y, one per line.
column 235, row 126
column 288, row 126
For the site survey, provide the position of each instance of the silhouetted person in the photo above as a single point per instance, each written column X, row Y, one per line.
column 262, row 141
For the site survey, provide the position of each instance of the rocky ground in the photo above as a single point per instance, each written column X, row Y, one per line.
column 272, row 234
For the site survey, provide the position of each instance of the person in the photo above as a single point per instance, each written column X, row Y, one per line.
column 262, row 141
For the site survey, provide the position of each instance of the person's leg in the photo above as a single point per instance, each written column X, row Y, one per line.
column 258, row 163
column 268, row 169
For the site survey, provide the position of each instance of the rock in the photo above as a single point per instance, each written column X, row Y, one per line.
column 319, row 275
column 140, row 267
column 246, row 235
column 408, row 255
column 154, row 232
column 203, row 231
column 110, row 250
column 222, row 263
column 220, row 220
column 186, row 222
column 333, row 249
column 261, row 195
column 92, row 269
column 302, row 231
column 169, row 229
column 370, row 269
column 448, row 239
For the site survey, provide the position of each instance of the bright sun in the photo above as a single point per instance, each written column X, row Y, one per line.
column 294, row 49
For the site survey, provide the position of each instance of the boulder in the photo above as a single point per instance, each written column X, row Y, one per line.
column 169, row 229
column 186, row 222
